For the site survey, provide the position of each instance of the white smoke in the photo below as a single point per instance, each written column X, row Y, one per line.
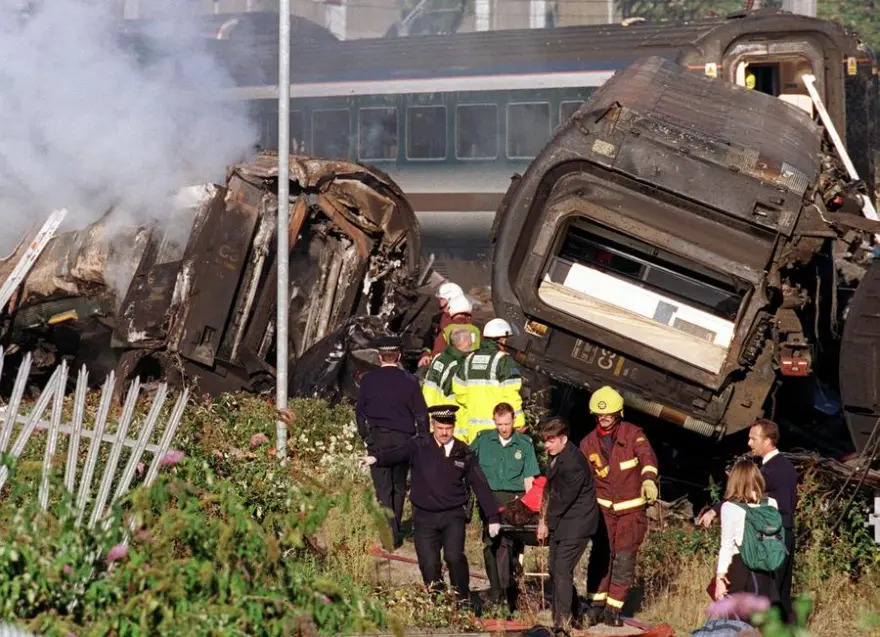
column 90, row 122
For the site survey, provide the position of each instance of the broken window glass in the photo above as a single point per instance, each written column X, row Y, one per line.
column 528, row 129
column 567, row 109
column 330, row 133
column 377, row 133
column 476, row 131
column 426, row 132
column 651, row 268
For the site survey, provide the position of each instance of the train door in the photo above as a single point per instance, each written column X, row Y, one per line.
column 776, row 66
column 778, row 77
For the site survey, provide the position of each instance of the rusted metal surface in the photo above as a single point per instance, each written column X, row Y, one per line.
column 731, row 184
column 200, row 304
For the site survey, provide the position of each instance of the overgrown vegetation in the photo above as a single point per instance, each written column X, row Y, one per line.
column 229, row 542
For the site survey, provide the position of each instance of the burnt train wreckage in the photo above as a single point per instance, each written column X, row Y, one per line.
column 695, row 244
column 195, row 299
column 719, row 210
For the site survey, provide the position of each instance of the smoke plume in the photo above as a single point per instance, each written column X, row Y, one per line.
column 91, row 119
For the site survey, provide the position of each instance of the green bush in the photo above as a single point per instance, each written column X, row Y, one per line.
column 225, row 542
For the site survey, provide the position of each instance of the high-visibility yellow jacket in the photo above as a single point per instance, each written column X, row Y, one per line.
column 437, row 387
column 487, row 377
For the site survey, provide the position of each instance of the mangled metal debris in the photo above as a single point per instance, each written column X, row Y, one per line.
column 194, row 299
column 690, row 242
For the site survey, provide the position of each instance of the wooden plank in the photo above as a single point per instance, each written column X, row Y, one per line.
column 668, row 340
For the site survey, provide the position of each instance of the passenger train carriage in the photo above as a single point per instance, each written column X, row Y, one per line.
column 452, row 117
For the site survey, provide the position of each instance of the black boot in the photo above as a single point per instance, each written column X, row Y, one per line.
column 611, row 617
column 594, row 614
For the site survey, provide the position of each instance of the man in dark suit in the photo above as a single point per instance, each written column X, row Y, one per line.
column 570, row 516
column 780, row 479
column 390, row 410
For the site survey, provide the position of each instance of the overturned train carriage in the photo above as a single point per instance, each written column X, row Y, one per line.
column 694, row 244
column 195, row 297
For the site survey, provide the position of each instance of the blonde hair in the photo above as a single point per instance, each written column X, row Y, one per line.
column 745, row 483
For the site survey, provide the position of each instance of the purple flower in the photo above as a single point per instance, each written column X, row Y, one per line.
column 118, row 552
column 171, row 458
column 258, row 439
column 741, row 605
column 139, row 469
column 67, row 569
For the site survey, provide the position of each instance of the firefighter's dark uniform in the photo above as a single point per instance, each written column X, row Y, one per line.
column 390, row 410
column 621, row 461
column 506, row 467
column 440, row 496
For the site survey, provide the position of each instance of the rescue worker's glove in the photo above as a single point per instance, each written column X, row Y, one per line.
column 649, row 491
column 494, row 529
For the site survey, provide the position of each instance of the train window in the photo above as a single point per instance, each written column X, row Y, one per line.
column 331, row 133
column 644, row 294
column 298, row 133
column 651, row 268
column 476, row 131
column 377, row 133
column 567, row 109
column 765, row 78
column 426, row 132
column 528, row 129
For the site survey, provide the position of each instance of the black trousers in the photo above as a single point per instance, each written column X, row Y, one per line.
column 501, row 553
column 390, row 482
column 744, row 580
column 436, row 530
column 783, row 575
column 564, row 556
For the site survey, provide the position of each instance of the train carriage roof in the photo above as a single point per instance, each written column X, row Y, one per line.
column 607, row 47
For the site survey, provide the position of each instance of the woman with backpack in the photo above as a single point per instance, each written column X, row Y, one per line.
column 752, row 540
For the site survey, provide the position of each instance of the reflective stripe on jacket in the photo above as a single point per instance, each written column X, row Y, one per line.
column 437, row 386
column 441, row 340
column 619, row 477
column 487, row 377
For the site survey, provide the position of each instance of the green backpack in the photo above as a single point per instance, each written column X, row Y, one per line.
column 763, row 545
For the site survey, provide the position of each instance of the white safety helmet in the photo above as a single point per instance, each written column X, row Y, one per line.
column 459, row 305
column 449, row 291
column 497, row 328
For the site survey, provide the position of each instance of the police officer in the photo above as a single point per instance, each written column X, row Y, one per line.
column 625, row 471
column 390, row 410
column 508, row 459
column 444, row 470
column 487, row 377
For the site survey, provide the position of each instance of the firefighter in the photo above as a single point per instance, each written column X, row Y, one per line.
column 487, row 377
column 390, row 410
column 444, row 471
column 625, row 470
column 445, row 293
column 459, row 310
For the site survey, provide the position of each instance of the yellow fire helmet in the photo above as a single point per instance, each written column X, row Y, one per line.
column 606, row 400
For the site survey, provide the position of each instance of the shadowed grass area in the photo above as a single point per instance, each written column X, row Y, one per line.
column 229, row 542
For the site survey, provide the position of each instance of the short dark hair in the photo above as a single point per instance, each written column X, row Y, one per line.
column 554, row 427
column 770, row 429
column 503, row 408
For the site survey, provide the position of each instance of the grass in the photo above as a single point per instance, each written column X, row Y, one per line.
column 840, row 570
